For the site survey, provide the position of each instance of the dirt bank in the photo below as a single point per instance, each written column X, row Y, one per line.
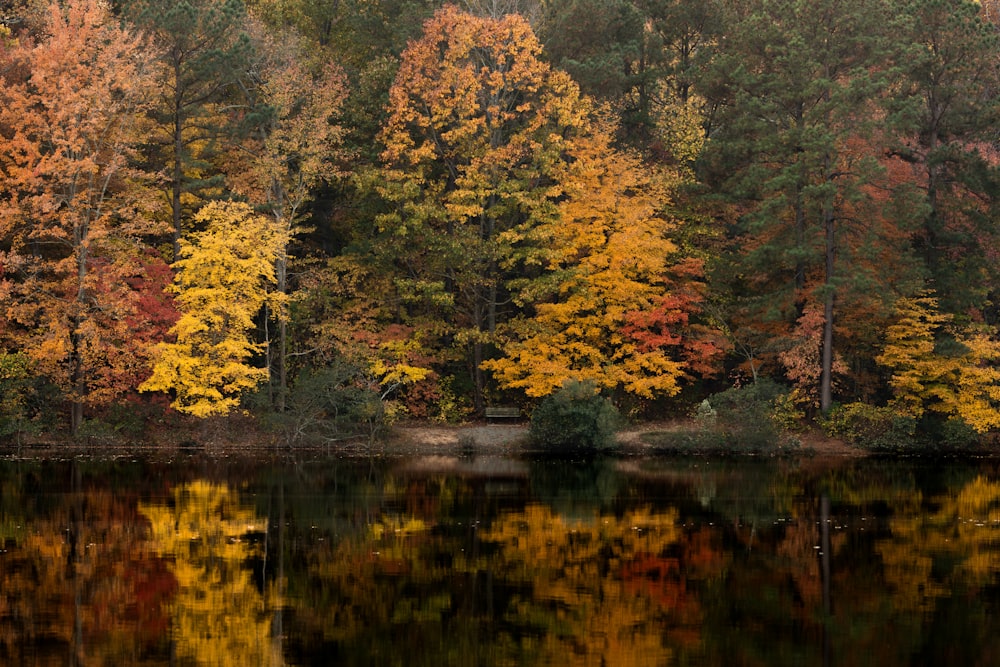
column 512, row 438
column 243, row 436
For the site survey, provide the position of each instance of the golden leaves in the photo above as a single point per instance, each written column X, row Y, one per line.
column 217, row 616
column 606, row 258
column 221, row 285
column 964, row 383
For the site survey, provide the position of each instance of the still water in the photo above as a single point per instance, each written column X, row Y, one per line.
column 489, row 561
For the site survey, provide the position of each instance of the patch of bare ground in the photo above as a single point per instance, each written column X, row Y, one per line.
column 512, row 438
column 445, row 438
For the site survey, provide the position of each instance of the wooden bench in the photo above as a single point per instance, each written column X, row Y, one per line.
column 502, row 412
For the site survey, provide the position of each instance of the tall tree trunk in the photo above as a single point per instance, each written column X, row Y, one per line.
column 178, row 170
column 826, row 373
column 280, row 360
column 78, row 380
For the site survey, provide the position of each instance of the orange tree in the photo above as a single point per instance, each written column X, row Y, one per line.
column 489, row 160
column 73, row 209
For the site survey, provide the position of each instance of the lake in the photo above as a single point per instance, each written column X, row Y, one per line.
column 198, row 560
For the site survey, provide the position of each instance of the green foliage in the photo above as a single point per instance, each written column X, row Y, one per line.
column 332, row 404
column 955, row 433
column 872, row 427
column 751, row 419
column 575, row 417
column 15, row 387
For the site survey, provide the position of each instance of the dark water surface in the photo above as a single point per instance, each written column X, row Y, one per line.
column 489, row 561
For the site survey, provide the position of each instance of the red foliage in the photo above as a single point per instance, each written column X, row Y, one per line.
column 668, row 322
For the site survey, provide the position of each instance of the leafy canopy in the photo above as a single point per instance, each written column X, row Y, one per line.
column 221, row 284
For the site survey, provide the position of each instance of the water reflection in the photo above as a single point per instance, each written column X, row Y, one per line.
column 217, row 614
column 498, row 562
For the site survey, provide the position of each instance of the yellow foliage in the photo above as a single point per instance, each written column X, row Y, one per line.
column 390, row 367
column 221, row 285
column 960, row 531
column 607, row 252
column 576, row 566
column 681, row 123
column 478, row 125
column 965, row 385
column 217, row 617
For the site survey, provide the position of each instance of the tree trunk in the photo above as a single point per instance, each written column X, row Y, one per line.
column 281, row 358
column 826, row 373
column 178, row 170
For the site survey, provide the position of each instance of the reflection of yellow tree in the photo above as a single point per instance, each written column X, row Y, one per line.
column 578, row 573
column 960, row 533
column 218, row 616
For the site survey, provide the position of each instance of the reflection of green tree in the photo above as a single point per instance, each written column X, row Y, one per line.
column 218, row 615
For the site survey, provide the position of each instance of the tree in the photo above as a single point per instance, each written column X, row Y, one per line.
column 598, row 43
column 73, row 207
column 603, row 310
column 217, row 615
column 641, row 57
column 796, row 148
column 952, row 373
column 477, row 124
column 294, row 148
column 204, row 52
column 946, row 112
column 221, row 285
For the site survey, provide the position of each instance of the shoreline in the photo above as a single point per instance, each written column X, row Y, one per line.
column 241, row 436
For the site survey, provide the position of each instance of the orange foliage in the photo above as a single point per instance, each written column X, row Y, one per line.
column 74, row 207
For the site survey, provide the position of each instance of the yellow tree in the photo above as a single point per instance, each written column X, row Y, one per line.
column 964, row 383
column 221, row 284
column 73, row 209
column 575, row 580
column 218, row 617
column 477, row 124
column 498, row 171
column 610, row 315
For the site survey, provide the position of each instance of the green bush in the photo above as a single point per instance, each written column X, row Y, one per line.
column 575, row 417
column 953, row 433
column 872, row 427
column 331, row 404
column 752, row 417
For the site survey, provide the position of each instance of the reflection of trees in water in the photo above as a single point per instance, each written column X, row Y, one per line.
column 218, row 616
column 594, row 590
column 77, row 584
column 554, row 567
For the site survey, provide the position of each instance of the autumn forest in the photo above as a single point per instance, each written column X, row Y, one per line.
column 333, row 213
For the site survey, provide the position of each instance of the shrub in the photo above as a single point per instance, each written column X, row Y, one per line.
column 954, row 433
column 330, row 404
column 752, row 417
column 15, row 391
column 871, row 427
column 575, row 417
